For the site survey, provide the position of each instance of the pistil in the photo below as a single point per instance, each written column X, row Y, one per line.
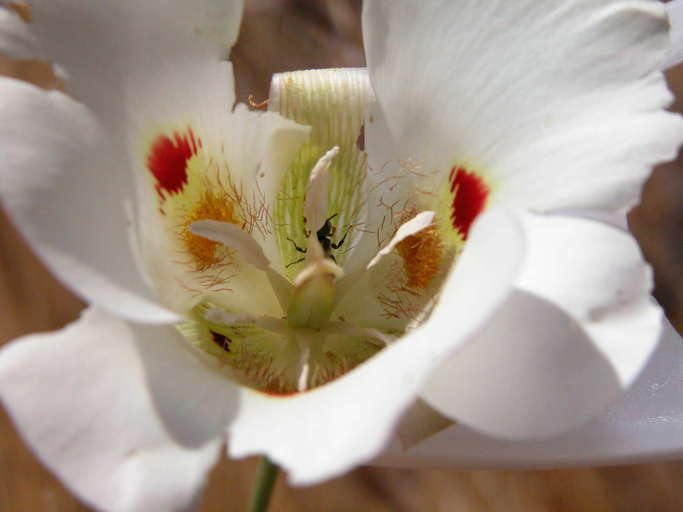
column 314, row 296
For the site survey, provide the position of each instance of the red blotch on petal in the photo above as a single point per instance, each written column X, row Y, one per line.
column 469, row 198
column 167, row 160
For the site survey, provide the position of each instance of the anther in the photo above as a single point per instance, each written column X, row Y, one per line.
column 257, row 106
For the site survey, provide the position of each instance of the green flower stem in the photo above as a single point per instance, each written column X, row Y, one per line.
column 263, row 486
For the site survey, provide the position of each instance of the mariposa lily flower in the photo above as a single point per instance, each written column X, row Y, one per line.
column 256, row 277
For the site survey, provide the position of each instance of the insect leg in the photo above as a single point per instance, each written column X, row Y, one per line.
column 294, row 262
column 341, row 242
column 299, row 249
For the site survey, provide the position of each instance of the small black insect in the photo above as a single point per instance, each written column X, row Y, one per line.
column 221, row 340
column 324, row 236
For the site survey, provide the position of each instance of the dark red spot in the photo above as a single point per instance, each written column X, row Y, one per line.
column 167, row 160
column 221, row 340
column 469, row 198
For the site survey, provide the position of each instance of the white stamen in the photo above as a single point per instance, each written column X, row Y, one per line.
column 315, row 204
column 354, row 330
column 219, row 316
column 414, row 225
column 267, row 323
column 378, row 335
column 302, row 384
column 233, row 237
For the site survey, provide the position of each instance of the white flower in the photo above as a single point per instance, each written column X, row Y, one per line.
column 498, row 310
column 675, row 12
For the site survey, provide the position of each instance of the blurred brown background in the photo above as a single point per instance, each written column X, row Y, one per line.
column 279, row 35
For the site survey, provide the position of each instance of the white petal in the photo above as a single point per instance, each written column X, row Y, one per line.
column 326, row 431
column 557, row 103
column 578, row 331
column 414, row 225
column 254, row 150
column 80, row 226
column 315, row 204
column 596, row 274
column 675, row 10
column 646, row 424
column 263, row 146
column 333, row 102
column 16, row 41
column 174, row 75
column 234, row 237
column 72, row 215
column 123, row 415
column 420, row 422
column 112, row 50
column 531, row 373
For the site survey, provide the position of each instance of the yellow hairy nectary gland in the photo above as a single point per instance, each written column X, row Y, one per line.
column 202, row 251
column 421, row 254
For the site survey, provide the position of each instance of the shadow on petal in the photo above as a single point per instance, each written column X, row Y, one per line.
column 194, row 402
column 646, row 423
column 531, row 373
